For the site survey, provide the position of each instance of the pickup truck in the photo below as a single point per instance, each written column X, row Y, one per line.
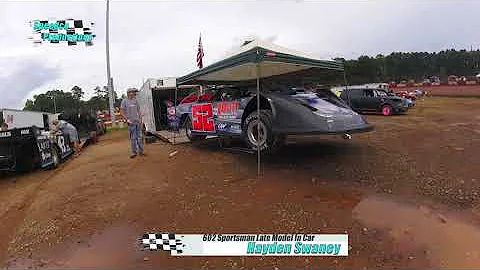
column 25, row 149
column 364, row 100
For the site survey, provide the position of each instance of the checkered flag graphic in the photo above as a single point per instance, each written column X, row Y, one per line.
column 163, row 241
column 74, row 27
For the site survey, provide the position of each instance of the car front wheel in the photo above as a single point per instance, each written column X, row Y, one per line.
column 387, row 110
column 258, row 131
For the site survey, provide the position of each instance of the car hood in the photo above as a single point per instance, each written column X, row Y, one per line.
column 322, row 106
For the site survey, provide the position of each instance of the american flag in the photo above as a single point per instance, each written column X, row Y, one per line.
column 200, row 53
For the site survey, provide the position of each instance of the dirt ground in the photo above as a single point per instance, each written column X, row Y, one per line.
column 407, row 195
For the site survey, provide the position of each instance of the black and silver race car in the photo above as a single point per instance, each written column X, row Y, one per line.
column 232, row 111
column 24, row 149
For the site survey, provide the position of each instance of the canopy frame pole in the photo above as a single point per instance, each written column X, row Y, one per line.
column 258, row 113
column 175, row 110
column 346, row 84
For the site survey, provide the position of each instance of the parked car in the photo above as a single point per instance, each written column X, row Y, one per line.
column 374, row 100
column 231, row 111
column 25, row 149
column 419, row 92
column 405, row 94
column 410, row 103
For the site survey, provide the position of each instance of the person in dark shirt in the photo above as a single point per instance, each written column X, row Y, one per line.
column 91, row 123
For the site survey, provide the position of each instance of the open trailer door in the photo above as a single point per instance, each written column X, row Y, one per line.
column 158, row 99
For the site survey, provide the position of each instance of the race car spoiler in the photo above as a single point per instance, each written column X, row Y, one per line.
column 19, row 134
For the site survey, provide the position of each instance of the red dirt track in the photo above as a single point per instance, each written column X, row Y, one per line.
column 407, row 194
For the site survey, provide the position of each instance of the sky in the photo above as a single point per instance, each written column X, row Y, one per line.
column 152, row 39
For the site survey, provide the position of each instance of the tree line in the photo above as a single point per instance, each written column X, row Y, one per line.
column 71, row 102
column 397, row 66
column 417, row 66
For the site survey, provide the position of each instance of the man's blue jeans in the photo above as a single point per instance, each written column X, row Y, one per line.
column 136, row 138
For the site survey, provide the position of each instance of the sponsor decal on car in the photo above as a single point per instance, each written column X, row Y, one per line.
column 229, row 128
column 5, row 134
column 236, row 129
column 222, row 127
column 228, row 108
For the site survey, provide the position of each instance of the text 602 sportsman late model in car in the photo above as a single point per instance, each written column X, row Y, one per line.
column 232, row 112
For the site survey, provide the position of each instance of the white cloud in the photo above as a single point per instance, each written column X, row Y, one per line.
column 159, row 38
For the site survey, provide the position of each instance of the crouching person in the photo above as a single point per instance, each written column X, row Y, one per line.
column 71, row 131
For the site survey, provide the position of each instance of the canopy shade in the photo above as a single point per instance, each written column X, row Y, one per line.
column 273, row 60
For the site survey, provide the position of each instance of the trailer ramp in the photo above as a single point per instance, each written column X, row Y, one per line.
column 174, row 137
column 179, row 137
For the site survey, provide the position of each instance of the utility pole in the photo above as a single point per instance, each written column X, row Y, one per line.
column 54, row 104
column 52, row 96
column 109, row 77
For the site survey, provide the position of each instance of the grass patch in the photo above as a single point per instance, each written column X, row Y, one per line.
column 110, row 129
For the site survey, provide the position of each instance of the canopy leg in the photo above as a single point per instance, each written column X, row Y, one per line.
column 258, row 115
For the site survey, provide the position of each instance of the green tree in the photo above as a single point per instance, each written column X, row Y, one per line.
column 417, row 66
column 29, row 105
column 77, row 92
column 46, row 102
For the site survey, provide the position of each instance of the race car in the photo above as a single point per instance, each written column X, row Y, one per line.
column 231, row 111
column 24, row 149
column 405, row 94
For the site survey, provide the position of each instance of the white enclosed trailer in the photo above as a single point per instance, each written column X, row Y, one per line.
column 22, row 119
column 153, row 97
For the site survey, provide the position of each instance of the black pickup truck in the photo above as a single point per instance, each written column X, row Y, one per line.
column 363, row 100
column 24, row 149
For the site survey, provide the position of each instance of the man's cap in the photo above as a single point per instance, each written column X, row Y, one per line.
column 132, row 90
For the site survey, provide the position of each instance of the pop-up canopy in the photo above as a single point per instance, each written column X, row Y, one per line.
column 272, row 60
column 260, row 60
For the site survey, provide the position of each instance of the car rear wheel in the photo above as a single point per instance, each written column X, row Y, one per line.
column 188, row 131
column 387, row 110
column 258, row 132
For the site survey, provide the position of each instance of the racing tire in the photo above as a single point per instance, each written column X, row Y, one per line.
column 188, row 131
column 267, row 139
column 55, row 158
column 387, row 110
